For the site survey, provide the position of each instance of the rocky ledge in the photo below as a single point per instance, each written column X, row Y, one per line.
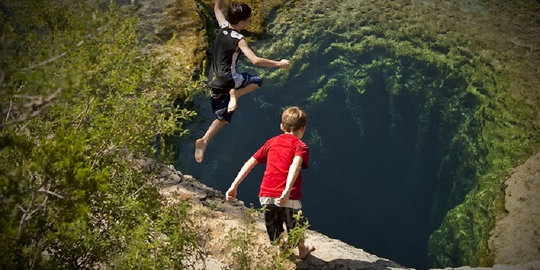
column 218, row 220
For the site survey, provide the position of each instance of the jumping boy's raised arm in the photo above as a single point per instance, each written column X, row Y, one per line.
column 218, row 6
column 244, row 171
column 294, row 170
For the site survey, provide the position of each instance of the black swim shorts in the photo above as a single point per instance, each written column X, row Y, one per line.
column 220, row 102
column 275, row 216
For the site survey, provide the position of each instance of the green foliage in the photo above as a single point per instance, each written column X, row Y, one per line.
column 292, row 240
column 80, row 100
column 243, row 242
column 242, row 245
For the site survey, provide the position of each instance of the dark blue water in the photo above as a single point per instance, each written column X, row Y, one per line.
column 371, row 187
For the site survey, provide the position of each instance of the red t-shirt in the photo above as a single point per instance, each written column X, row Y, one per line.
column 278, row 153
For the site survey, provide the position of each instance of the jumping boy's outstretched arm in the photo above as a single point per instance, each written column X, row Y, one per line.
column 244, row 171
column 218, row 6
column 294, row 170
column 259, row 61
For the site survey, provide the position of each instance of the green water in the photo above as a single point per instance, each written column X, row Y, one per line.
column 391, row 130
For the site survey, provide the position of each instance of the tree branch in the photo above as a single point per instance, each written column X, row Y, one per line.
column 34, row 108
column 46, row 61
column 136, row 193
column 24, row 217
column 50, row 193
column 83, row 114
column 9, row 109
column 51, row 59
column 29, row 212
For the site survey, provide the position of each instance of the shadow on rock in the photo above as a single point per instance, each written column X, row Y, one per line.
column 314, row 263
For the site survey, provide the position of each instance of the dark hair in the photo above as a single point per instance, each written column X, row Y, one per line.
column 238, row 12
column 293, row 119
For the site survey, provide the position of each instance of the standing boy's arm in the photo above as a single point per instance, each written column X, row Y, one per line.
column 218, row 6
column 259, row 61
column 244, row 171
column 294, row 170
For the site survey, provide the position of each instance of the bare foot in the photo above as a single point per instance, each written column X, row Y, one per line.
column 303, row 251
column 200, row 146
column 232, row 102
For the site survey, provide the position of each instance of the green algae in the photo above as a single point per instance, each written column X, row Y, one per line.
column 484, row 129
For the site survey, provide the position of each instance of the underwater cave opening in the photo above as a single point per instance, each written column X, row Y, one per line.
column 375, row 154
column 378, row 180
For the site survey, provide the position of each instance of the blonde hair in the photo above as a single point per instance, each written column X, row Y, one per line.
column 293, row 119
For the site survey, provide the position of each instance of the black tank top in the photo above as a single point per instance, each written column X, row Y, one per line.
column 224, row 58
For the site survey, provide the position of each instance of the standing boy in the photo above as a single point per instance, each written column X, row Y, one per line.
column 226, row 83
column 280, row 189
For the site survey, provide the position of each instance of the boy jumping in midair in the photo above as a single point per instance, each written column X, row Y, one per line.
column 280, row 189
column 226, row 83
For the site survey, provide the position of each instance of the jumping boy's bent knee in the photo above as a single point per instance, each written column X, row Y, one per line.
column 256, row 80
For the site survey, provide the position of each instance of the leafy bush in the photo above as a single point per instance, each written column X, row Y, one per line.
column 80, row 98
column 277, row 257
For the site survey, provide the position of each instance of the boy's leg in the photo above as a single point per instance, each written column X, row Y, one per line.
column 237, row 93
column 273, row 219
column 304, row 250
column 200, row 144
column 291, row 223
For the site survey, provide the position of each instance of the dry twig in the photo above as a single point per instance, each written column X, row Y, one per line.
column 34, row 108
column 45, row 62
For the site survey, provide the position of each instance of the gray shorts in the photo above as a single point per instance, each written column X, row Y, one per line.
column 243, row 79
